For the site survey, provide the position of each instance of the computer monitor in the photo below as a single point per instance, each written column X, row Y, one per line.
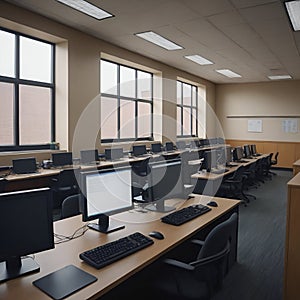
column 221, row 156
column 89, row 156
column 238, row 153
column 156, row 147
column 195, row 144
column 26, row 228
column 169, row 146
column 104, row 193
column 253, row 149
column 181, row 145
column 247, row 151
column 228, row 154
column 165, row 182
column 210, row 160
column 62, row 159
column 24, row 165
column 221, row 140
column 114, row 153
column 139, row 150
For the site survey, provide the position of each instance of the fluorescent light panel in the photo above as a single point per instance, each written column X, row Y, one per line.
column 228, row 73
column 87, row 8
column 293, row 9
column 278, row 77
column 158, row 40
column 199, row 59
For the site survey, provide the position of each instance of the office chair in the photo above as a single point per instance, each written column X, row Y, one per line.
column 2, row 184
column 63, row 185
column 274, row 162
column 202, row 275
column 70, row 206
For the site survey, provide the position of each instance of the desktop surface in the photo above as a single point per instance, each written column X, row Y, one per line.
column 114, row 274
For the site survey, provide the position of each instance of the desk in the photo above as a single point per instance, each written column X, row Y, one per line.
column 296, row 167
column 114, row 274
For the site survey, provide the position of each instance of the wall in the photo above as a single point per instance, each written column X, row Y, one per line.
column 80, row 65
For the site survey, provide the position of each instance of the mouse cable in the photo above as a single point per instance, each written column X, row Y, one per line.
column 77, row 233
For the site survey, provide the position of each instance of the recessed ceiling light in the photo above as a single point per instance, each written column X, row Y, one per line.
column 199, row 59
column 158, row 40
column 293, row 9
column 87, row 8
column 228, row 73
column 278, row 77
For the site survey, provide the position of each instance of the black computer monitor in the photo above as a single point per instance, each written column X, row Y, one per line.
column 169, row 146
column 238, row 153
column 89, row 156
column 195, row 144
column 181, row 145
column 104, row 193
column 228, row 154
column 210, row 159
column 26, row 227
column 62, row 159
column 165, row 182
column 139, row 150
column 253, row 149
column 24, row 165
column 114, row 153
column 247, row 151
column 156, row 147
column 221, row 155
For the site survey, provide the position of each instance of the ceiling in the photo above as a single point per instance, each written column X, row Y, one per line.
column 253, row 38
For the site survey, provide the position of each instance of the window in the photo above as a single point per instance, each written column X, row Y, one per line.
column 126, row 103
column 26, row 92
column 187, row 110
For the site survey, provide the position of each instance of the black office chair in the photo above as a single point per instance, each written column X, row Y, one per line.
column 70, row 206
column 2, row 184
column 63, row 185
column 274, row 162
column 202, row 276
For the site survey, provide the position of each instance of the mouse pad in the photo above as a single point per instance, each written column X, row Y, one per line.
column 64, row 282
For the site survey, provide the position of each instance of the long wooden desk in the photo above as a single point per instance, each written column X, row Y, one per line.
column 112, row 275
column 296, row 167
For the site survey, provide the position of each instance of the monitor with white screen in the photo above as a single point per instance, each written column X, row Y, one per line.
column 104, row 193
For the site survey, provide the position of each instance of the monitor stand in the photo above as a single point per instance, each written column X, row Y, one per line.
column 15, row 267
column 106, row 225
column 159, row 206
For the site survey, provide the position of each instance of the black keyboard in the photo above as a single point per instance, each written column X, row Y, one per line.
column 108, row 253
column 185, row 214
column 219, row 171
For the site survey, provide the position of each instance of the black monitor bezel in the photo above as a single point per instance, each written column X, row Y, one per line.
column 136, row 150
column 86, row 155
column 67, row 161
column 24, row 165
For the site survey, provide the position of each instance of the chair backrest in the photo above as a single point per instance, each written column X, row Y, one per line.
column 238, row 174
column 67, row 177
column 2, row 184
column 141, row 168
column 218, row 237
column 70, row 206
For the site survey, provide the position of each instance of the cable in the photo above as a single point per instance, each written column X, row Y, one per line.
column 77, row 233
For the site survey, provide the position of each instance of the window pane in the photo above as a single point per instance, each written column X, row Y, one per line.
column 35, row 60
column 194, row 121
column 179, row 121
column 179, row 85
column 127, row 82
column 144, row 85
column 6, row 114
column 144, row 120
column 127, row 119
column 194, row 96
column 35, row 115
column 109, row 118
column 109, row 77
column 187, row 94
column 7, row 57
column 186, row 121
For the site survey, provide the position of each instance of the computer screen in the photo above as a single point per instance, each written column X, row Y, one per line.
column 156, row 147
column 181, row 145
column 89, row 156
column 139, row 150
column 228, row 154
column 165, row 182
column 26, row 227
column 169, row 146
column 253, row 149
column 210, row 159
column 62, row 159
column 221, row 155
column 114, row 153
column 195, row 144
column 247, row 151
column 104, row 193
column 238, row 153
column 24, row 165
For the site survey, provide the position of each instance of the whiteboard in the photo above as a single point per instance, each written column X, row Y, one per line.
column 255, row 125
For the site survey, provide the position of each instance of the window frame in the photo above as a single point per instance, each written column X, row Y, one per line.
column 16, row 81
column 136, row 100
column 183, row 106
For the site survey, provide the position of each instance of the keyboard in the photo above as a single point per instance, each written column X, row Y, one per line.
column 185, row 214
column 108, row 253
column 219, row 171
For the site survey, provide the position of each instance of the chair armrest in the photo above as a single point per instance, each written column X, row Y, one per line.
column 179, row 264
column 54, row 179
column 197, row 242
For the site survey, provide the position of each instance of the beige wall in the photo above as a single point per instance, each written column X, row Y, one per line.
column 275, row 99
column 80, row 65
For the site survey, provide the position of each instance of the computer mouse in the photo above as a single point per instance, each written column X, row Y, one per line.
column 212, row 203
column 156, row 235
